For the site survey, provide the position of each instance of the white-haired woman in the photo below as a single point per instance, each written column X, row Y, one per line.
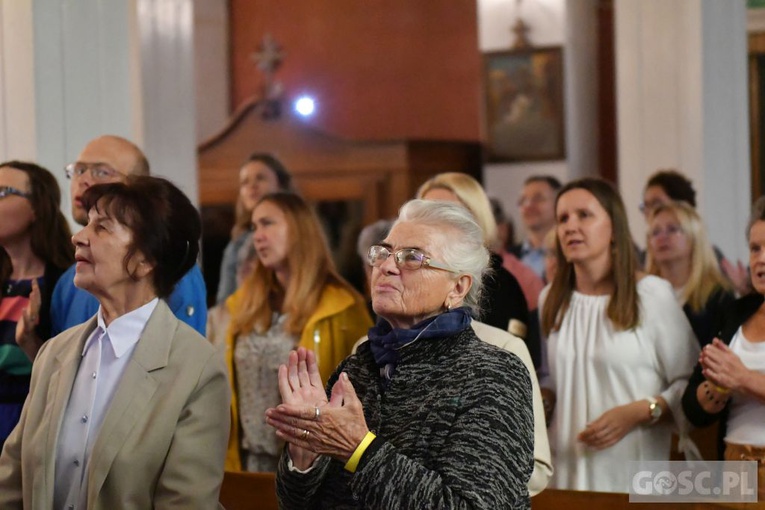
column 424, row 415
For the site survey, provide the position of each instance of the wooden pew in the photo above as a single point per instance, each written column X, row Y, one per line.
column 553, row 499
column 248, row 491
column 257, row 491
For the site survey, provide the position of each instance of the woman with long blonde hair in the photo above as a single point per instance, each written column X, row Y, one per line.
column 619, row 348
column 679, row 251
column 504, row 304
column 293, row 298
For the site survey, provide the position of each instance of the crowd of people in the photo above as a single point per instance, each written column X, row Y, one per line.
column 471, row 371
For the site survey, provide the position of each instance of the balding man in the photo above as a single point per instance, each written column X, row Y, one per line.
column 104, row 160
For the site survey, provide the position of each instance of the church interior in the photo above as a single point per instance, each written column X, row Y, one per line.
column 393, row 93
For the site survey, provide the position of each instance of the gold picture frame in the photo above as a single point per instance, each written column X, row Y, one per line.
column 524, row 105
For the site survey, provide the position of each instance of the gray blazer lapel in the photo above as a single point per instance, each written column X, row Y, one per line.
column 59, row 388
column 133, row 395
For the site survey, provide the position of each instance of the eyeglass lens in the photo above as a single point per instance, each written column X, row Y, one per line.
column 669, row 231
column 98, row 171
column 407, row 258
column 6, row 191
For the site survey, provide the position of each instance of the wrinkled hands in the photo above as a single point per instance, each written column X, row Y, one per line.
column 613, row 425
column 26, row 337
column 722, row 367
column 307, row 421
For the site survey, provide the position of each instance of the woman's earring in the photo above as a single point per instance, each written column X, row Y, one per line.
column 448, row 306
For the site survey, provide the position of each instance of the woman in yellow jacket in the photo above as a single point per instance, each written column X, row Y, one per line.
column 294, row 297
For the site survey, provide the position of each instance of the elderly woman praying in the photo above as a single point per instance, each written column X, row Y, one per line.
column 424, row 415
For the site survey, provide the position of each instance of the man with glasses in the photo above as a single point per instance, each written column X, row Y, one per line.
column 109, row 159
column 537, row 208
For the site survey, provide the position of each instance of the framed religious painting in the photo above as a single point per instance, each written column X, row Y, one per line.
column 524, row 104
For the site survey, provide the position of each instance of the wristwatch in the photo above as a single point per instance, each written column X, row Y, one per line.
column 654, row 410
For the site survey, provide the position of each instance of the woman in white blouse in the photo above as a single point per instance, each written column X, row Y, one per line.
column 619, row 347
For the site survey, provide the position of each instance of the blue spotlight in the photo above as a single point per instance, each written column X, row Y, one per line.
column 305, row 106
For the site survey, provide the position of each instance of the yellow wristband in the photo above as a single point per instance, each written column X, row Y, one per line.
column 353, row 462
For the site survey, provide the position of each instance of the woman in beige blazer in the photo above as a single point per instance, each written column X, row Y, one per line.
column 129, row 410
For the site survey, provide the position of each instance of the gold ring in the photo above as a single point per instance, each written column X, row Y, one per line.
column 316, row 413
column 305, row 434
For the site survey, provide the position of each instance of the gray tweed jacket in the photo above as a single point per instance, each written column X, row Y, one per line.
column 455, row 430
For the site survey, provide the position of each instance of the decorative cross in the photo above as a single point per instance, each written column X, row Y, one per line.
column 521, row 30
column 268, row 59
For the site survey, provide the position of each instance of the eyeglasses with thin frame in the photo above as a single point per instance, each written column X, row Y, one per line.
column 406, row 258
column 6, row 191
column 99, row 171
column 669, row 231
column 646, row 207
column 532, row 200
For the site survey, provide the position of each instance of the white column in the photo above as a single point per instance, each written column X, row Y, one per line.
column 17, row 86
column 85, row 82
column 581, row 88
column 211, row 59
column 682, row 103
column 166, row 29
column 71, row 70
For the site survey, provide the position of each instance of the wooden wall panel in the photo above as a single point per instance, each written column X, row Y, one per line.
column 379, row 70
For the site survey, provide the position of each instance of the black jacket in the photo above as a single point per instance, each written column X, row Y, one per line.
column 503, row 298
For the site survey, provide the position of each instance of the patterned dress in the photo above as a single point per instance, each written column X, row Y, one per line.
column 257, row 358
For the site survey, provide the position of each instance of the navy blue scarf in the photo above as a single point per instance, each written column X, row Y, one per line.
column 385, row 341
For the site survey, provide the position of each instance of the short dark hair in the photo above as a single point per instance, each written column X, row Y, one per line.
column 51, row 239
column 282, row 175
column 677, row 186
column 551, row 181
column 166, row 226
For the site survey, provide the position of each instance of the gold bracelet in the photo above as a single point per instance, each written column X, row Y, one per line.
column 353, row 462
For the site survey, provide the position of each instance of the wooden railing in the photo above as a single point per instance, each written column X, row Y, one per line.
column 249, row 491
column 257, row 491
column 553, row 499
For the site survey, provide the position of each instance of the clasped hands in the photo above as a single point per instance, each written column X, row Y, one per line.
column 307, row 421
column 722, row 367
column 26, row 337
column 724, row 372
column 610, row 427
